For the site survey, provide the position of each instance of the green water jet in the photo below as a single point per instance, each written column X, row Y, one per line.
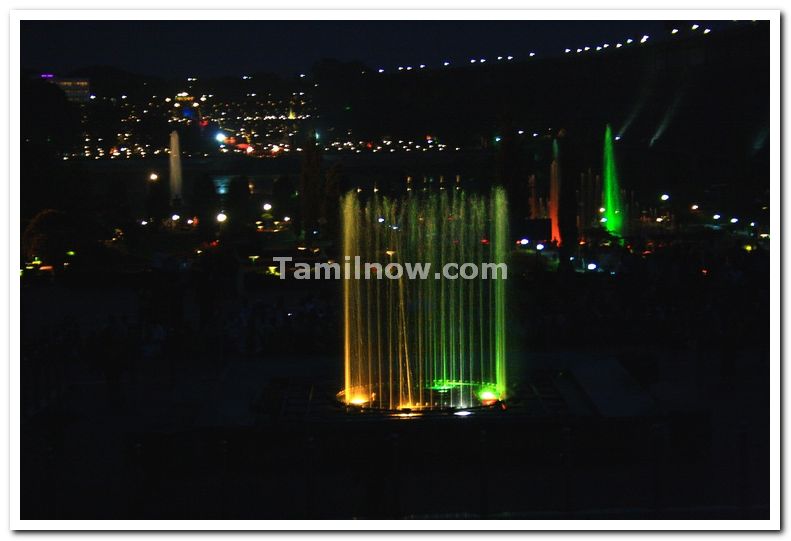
column 613, row 215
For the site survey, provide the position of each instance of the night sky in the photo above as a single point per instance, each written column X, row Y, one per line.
column 211, row 48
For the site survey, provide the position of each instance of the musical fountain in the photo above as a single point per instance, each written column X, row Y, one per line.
column 425, row 344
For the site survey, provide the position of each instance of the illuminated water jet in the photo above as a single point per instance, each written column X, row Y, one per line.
column 175, row 168
column 613, row 214
column 423, row 344
column 554, row 192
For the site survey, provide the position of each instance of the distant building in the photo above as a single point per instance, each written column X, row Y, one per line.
column 77, row 90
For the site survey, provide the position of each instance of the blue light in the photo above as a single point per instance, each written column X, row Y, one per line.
column 220, row 137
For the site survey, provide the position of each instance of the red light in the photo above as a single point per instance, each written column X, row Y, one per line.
column 486, row 241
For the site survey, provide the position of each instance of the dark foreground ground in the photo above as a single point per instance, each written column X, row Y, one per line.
column 225, row 426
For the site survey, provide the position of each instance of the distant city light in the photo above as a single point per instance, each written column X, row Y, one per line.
column 523, row 242
column 707, row 30
column 674, row 31
column 532, row 54
column 602, row 209
column 716, row 216
column 568, row 50
column 694, row 207
column 618, row 45
column 630, row 40
column 143, row 222
column 93, row 96
column 644, row 39
column 695, row 26
column 221, row 217
column 286, row 218
column 664, row 197
column 220, row 137
column 153, row 176
column 380, row 220
column 734, row 220
column 509, row 57
column 267, row 206
column 175, row 217
column 617, row 137
column 463, row 413
column 591, row 266
column 446, row 63
column 539, row 246
column 422, row 66
column 381, row 70
column 659, row 220
column 752, row 224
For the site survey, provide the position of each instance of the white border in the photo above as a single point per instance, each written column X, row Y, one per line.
column 356, row 14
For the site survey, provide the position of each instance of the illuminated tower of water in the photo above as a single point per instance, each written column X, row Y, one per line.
column 554, row 192
column 611, row 189
column 175, row 167
column 425, row 343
